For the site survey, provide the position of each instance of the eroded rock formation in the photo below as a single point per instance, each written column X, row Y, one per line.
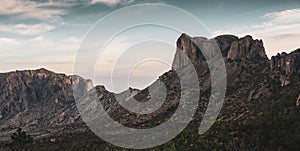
column 41, row 100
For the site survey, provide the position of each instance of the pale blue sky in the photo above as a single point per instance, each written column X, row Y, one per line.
column 47, row 33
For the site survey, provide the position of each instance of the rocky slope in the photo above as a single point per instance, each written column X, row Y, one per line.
column 42, row 102
column 36, row 100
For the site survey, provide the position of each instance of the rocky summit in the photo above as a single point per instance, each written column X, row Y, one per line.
column 286, row 66
column 36, row 100
column 231, row 47
column 260, row 110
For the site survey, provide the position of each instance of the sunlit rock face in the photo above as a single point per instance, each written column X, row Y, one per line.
column 238, row 53
column 286, row 65
column 247, row 48
column 195, row 49
column 191, row 50
column 187, row 51
column 36, row 100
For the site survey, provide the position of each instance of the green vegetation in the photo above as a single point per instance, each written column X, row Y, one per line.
column 270, row 125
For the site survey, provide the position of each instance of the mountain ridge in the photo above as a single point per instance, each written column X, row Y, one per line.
column 45, row 100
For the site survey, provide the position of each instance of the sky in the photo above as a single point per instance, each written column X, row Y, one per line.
column 48, row 34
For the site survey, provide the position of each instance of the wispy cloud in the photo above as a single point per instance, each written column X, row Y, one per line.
column 40, row 51
column 279, row 31
column 48, row 10
column 112, row 2
column 8, row 42
column 286, row 36
column 286, row 16
column 23, row 29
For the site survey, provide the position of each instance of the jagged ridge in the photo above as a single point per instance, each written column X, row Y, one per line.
column 41, row 99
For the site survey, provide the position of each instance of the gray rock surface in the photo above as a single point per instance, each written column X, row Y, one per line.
column 42, row 102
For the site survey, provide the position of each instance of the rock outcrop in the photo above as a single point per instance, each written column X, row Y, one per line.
column 286, row 65
column 187, row 52
column 246, row 48
column 224, row 42
column 232, row 48
column 37, row 100
column 42, row 102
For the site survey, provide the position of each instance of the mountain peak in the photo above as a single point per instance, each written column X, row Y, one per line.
column 286, row 65
column 232, row 48
column 247, row 48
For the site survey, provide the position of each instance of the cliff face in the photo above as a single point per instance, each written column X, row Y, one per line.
column 42, row 102
column 286, row 66
column 238, row 53
column 224, row 42
column 246, row 48
column 37, row 100
column 247, row 51
column 186, row 46
column 231, row 47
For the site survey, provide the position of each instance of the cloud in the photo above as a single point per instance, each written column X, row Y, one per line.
column 72, row 39
column 34, row 10
column 286, row 16
column 41, row 51
column 23, row 29
column 279, row 31
column 286, row 36
column 112, row 2
column 8, row 42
